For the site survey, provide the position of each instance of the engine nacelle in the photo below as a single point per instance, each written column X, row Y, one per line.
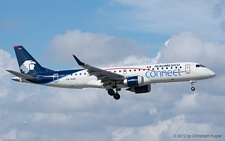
column 134, row 81
column 141, row 89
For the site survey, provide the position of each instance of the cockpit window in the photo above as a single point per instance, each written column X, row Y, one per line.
column 199, row 65
column 202, row 65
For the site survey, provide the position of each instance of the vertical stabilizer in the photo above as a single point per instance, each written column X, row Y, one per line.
column 27, row 64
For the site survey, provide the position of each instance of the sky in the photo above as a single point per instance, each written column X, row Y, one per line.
column 107, row 33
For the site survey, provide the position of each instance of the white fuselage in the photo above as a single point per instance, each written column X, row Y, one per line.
column 154, row 73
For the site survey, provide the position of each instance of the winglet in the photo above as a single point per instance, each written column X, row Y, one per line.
column 78, row 61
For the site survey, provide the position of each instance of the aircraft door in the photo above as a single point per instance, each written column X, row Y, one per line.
column 55, row 77
column 187, row 68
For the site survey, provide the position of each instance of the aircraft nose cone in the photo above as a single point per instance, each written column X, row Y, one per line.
column 212, row 74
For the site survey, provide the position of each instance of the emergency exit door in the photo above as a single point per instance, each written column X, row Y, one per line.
column 187, row 68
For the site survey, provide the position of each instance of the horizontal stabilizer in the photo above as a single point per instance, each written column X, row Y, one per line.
column 22, row 75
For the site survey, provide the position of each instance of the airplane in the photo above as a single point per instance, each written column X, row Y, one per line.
column 137, row 79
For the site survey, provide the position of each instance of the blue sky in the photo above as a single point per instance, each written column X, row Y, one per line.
column 34, row 23
column 37, row 22
column 112, row 33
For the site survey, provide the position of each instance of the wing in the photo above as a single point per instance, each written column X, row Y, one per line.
column 21, row 75
column 105, row 76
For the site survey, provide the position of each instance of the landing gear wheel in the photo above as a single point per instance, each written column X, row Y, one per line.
column 111, row 92
column 116, row 96
column 192, row 84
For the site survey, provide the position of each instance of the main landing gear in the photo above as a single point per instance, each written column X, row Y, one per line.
column 192, row 85
column 111, row 92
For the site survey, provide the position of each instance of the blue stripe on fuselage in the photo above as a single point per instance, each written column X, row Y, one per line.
column 44, row 78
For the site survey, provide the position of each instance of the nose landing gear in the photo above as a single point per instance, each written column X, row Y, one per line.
column 192, row 84
column 111, row 92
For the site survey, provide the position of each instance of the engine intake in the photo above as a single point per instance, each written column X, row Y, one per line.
column 134, row 81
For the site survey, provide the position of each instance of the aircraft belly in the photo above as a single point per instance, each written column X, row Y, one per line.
column 77, row 82
column 95, row 84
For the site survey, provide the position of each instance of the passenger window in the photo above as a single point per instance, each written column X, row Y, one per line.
column 180, row 66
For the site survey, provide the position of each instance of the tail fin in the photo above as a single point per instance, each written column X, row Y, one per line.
column 27, row 64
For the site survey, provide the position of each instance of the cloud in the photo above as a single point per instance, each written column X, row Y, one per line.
column 187, row 103
column 191, row 46
column 166, row 18
column 26, row 135
column 9, row 136
column 51, row 118
column 218, row 87
column 162, row 130
column 96, row 49
column 6, row 62
column 121, row 133
column 138, row 60
column 77, row 100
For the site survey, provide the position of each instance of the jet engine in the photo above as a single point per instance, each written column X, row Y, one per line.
column 134, row 81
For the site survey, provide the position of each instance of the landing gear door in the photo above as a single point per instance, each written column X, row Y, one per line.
column 187, row 68
column 55, row 77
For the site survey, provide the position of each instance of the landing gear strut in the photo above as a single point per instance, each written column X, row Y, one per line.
column 192, row 85
column 111, row 92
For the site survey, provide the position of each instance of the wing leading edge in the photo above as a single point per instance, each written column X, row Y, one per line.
column 103, row 75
